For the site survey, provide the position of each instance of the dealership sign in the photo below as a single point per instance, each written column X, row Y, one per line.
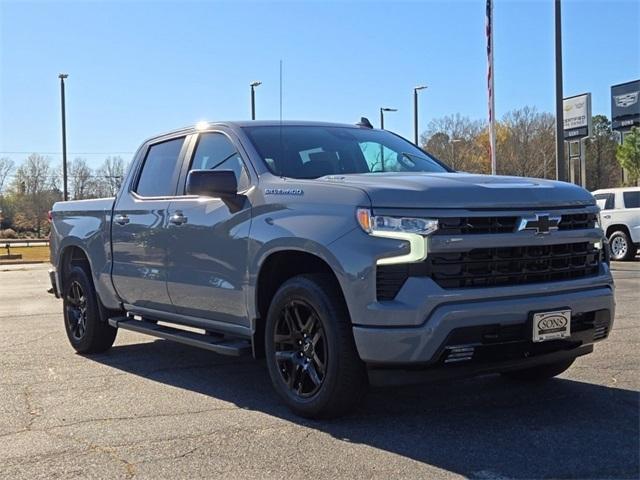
column 625, row 107
column 577, row 116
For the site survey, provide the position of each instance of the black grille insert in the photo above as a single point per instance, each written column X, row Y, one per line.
column 489, row 267
column 578, row 221
column 475, row 225
column 497, row 224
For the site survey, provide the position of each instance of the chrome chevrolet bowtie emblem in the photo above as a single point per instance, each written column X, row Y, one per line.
column 542, row 223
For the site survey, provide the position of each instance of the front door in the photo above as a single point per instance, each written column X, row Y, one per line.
column 208, row 241
column 138, row 231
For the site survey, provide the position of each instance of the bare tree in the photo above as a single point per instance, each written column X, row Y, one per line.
column 6, row 167
column 110, row 176
column 81, row 179
column 528, row 143
column 34, row 187
column 603, row 169
column 453, row 139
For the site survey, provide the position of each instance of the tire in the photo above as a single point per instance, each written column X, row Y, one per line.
column 541, row 372
column 621, row 246
column 311, row 355
column 86, row 331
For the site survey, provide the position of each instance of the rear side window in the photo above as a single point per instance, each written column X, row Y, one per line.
column 158, row 177
column 216, row 152
column 605, row 200
column 631, row 199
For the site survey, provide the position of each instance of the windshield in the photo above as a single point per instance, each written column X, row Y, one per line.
column 315, row 151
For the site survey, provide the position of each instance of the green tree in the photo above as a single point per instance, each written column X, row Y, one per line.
column 628, row 154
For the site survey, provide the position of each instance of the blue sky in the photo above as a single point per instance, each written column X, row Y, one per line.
column 140, row 68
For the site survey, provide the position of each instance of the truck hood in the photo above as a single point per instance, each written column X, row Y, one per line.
column 462, row 190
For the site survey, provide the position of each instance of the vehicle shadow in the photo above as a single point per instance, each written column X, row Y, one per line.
column 480, row 428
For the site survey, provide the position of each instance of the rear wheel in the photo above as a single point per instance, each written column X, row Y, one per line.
column 311, row 355
column 86, row 331
column 541, row 372
column 622, row 248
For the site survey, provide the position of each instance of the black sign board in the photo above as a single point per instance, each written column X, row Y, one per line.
column 625, row 105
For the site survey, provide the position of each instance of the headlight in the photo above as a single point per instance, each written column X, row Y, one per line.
column 383, row 223
column 409, row 229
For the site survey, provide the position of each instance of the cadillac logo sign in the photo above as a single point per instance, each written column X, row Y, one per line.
column 626, row 100
column 625, row 107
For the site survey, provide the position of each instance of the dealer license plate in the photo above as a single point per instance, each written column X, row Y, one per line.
column 551, row 325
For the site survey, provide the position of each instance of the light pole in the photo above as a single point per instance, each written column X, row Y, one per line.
column 415, row 112
column 453, row 152
column 382, row 110
column 561, row 173
column 253, row 86
column 65, row 193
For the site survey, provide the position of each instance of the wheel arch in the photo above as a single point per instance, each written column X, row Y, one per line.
column 279, row 266
column 616, row 227
column 71, row 256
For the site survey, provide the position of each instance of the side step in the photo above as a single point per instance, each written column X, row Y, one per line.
column 234, row 347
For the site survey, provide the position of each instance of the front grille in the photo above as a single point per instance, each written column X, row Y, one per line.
column 577, row 221
column 509, row 224
column 489, row 267
column 475, row 225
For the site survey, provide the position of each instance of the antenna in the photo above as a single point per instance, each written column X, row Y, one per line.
column 280, row 90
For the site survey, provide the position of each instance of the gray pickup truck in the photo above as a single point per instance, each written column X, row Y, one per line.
column 344, row 255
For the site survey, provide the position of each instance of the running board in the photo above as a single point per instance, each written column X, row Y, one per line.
column 234, row 347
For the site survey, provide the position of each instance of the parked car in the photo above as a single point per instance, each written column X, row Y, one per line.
column 620, row 220
column 343, row 254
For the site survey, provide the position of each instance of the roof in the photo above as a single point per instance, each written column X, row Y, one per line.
column 256, row 123
column 615, row 190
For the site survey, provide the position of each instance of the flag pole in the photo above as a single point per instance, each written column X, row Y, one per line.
column 490, row 87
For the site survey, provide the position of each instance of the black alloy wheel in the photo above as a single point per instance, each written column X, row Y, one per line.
column 87, row 329
column 300, row 348
column 76, row 311
column 311, row 354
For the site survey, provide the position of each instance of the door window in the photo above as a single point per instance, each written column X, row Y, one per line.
column 159, row 171
column 216, row 152
column 604, row 200
column 631, row 199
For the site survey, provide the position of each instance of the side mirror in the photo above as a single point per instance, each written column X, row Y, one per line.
column 212, row 183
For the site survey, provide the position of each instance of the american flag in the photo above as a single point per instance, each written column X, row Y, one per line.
column 492, row 131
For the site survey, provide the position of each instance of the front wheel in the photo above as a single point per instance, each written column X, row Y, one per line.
column 541, row 372
column 310, row 352
column 86, row 331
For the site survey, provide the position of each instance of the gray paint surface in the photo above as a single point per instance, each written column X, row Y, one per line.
column 205, row 271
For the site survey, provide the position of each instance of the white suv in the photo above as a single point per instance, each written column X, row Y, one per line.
column 620, row 220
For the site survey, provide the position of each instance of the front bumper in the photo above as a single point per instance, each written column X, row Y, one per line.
column 422, row 345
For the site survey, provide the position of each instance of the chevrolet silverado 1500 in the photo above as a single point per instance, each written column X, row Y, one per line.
column 344, row 255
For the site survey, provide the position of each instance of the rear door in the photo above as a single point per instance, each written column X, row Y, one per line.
column 208, row 238
column 139, row 234
column 631, row 215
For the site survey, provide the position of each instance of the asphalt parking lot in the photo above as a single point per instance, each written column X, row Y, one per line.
column 153, row 409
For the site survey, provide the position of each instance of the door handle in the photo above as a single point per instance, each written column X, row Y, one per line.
column 607, row 216
column 121, row 219
column 178, row 218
